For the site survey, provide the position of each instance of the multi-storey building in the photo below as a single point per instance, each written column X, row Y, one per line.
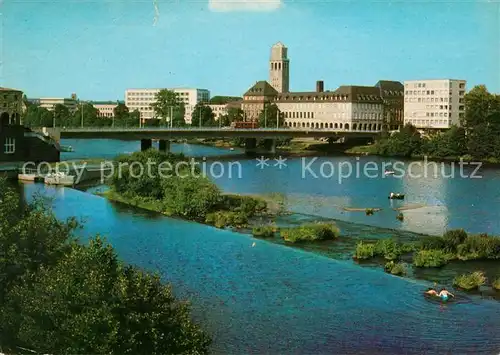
column 367, row 108
column 219, row 110
column 11, row 106
column 141, row 100
column 50, row 102
column 434, row 104
column 105, row 108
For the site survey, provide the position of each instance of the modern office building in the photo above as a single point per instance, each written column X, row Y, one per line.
column 434, row 104
column 50, row 102
column 141, row 100
column 367, row 108
column 105, row 108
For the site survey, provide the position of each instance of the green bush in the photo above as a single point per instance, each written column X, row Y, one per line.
column 407, row 248
column 369, row 211
column 264, row 231
column 364, row 251
column 394, row 268
column 245, row 204
column 430, row 258
column 470, row 281
column 310, row 232
column 387, row 248
column 400, row 217
column 222, row 219
column 479, row 247
column 496, row 284
column 453, row 238
column 432, row 243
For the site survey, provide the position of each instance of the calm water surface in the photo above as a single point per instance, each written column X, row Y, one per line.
column 274, row 299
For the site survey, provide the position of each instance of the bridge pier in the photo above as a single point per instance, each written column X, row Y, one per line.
column 146, row 144
column 250, row 145
column 270, row 145
column 164, row 146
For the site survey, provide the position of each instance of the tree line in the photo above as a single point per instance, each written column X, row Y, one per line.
column 477, row 137
column 60, row 296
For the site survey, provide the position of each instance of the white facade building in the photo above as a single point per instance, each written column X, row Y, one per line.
column 141, row 100
column 106, row 109
column 50, row 102
column 434, row 104
column 219, row 110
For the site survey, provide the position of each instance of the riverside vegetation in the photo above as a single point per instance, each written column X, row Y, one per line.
column 435, row 252
column 60, row 296
column 185, row 195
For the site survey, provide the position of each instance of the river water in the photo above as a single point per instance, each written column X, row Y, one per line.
column 274, row 299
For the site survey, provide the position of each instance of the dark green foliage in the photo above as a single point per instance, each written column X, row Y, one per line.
column 479, row 247
column 221, row 100
column 203, row 112
column 246, row 204
column 453, row 238
column 432, row 243
column 222, row 219
column 268, row 117
column 394, row 268
column 470, row 281
column 168, row 106
column 387, row 248
column 61, row 297
column 405, row 143
column 264, row 231
column 430, row 258
column 310, row 232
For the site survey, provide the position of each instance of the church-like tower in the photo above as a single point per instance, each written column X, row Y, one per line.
column 279, row 70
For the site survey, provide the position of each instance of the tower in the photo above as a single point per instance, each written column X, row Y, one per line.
column 279, row 68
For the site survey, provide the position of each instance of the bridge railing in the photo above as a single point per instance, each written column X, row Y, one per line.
column 210, row 129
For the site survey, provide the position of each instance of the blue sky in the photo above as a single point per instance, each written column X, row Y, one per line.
column 99, row 48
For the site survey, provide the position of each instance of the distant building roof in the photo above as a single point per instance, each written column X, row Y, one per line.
column 343, row 94
column 261, row 88
column 8, row 89
column 390, row 88
column 107, row 102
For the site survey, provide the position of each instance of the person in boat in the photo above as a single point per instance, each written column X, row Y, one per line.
column 445, row 294
column 431, row 292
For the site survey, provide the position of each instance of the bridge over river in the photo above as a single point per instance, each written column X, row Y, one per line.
column 164, row 135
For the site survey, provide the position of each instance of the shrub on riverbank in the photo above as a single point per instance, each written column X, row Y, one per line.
column 311, row 232
column 496, row 284
column 387, row 248
column 364, row 251
column 222, row 219
column 398, row 269
column 430, row 258
column 470, row 281
column 61, row 297
column 264, row 231
column 478, row 247
column 246, row 204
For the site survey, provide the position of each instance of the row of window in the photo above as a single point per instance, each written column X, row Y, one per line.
column 433, row 92
column 445, row 84
column 336, row 125
column 428, row 122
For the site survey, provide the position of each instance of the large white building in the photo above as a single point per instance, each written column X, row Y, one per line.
column 141, row 100
column 218, row 110
column 435, row 104
column 50, row 102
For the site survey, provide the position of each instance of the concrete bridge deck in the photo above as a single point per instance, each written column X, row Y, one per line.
column 209, row 132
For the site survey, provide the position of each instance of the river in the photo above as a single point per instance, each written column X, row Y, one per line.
column 274, row 299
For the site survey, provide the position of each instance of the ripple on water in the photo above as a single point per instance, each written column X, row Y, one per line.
column 274, row 299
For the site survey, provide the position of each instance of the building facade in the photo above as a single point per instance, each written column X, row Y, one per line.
column 106, row 109
column 256, row 99
column 219, row 110
column 18, row 143
column 50, row 102
column 434, row 104
column 141, row 100
column 350, row 108
column 279, row 68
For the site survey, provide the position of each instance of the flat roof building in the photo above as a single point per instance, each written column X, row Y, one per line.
column 50, row 102
column 434, row 104
column 141, row 100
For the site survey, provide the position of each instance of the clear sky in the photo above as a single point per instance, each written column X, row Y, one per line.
column 99, row 48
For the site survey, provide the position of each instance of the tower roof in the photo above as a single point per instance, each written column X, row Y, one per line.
column 261, row 88
column 279, row 45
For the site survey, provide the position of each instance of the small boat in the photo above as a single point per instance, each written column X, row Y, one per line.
column 389, row 172
column 67, row 148
column 60, row 178
column 394, row 196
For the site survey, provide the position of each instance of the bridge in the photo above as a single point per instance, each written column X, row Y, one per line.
column 164, row 135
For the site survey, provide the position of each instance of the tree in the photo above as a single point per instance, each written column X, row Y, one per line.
column 269, row 115
column 234, row 114
column 168, row 104
column 121, row 112
column 90, row 116
column 61, row 115
column 205, row 113
column 62, row 297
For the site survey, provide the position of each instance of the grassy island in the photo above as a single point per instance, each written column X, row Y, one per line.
column 310, row 232
column 182, row 192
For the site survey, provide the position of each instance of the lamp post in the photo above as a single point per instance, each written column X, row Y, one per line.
column 81, row 109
